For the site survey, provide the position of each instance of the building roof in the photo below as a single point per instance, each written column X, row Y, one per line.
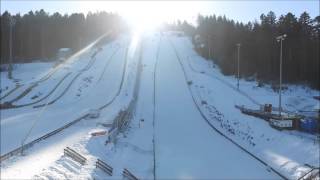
column 64, row 49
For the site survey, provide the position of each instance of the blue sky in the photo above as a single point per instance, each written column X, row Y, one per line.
column 243, row 11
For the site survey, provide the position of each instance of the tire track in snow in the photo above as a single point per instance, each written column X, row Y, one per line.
column 212, row 126
column 32, row 85
column 154, row 109
column 121, row 83
column 43, row 98
column 11, row 91
column 107, row 64
column 47, row 76
column 88, row 66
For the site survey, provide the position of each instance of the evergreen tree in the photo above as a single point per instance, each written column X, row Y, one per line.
column 259, row 48
column 38, row 35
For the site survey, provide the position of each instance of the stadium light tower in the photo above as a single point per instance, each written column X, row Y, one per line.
column 12, row 23
column 238, row 46
column 209, row 48
column 280, row 39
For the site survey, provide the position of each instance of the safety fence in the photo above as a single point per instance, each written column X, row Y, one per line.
column 128, row 175
column 123, row 118
column 104, row 167
column 75, row 155
column 30, row 144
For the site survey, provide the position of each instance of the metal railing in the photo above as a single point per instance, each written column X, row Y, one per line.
column 30, row 144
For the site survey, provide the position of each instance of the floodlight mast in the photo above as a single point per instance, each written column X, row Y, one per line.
column 11, row 24
column 280, row 39
column 238, row 46
column 209, row 47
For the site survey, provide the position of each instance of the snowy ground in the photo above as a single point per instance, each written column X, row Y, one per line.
column 167, row 137
column 106, row 85
column 186, row 147
column 283, row 150
column 23, row 73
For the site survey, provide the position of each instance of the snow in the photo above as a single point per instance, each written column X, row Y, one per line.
column 165, row 121
column 43, row 154
column 64, row 49
column 186, row 146
column 17, row 122
column 55, row 162
column 24, row 72
column 286, row 151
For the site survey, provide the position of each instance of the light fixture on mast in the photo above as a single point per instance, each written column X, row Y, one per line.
column 280, row 39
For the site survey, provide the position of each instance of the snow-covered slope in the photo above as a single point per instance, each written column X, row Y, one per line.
column 48, row 152
column 283, row 150
column 186, row 147
column 17, row 123
column 26, row 72
column 172, row 132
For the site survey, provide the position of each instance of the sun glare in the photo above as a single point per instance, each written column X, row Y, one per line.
column 144, row 18
column 144, row 15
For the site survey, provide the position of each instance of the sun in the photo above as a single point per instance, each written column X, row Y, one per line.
column 142, row 23
column 148, row 15
column 145, row 15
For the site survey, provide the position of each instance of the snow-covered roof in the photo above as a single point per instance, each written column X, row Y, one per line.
column 64, row 49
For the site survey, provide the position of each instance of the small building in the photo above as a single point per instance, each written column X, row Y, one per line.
column 310, row 124
column 63, row 54
column 199, row 41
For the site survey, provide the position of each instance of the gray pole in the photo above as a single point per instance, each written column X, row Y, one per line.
column 238, row 45
column 10, row 50
column 209, row 46
column 280, row 39
column 280, row 88
column 42, row 42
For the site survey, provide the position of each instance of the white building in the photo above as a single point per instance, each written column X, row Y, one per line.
column 63, row 54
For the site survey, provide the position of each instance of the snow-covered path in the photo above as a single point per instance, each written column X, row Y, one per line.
column 186, row 147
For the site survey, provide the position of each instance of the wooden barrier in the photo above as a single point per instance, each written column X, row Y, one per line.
column 104, row 167
column 312, row 174
column 127, row 174
column 75, row 155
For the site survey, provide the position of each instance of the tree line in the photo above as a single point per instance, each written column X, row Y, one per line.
column 259, row 51
column 38, row 35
